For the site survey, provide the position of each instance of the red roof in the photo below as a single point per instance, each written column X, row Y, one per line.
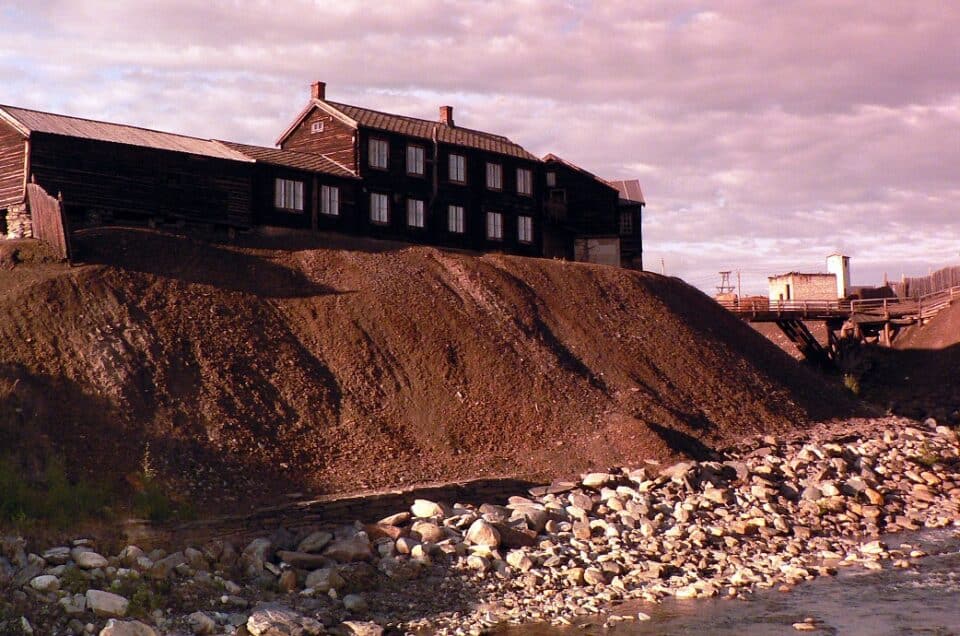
column 306, row 161
column 629, row 190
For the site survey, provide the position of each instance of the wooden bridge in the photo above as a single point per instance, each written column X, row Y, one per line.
column 877, row 319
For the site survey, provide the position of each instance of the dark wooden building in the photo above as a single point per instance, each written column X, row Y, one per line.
column 428, row 181
column 631, row 204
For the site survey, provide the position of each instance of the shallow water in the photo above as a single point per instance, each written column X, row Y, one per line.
column 923, row 599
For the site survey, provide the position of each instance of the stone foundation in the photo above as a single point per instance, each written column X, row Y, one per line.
column 19, row 223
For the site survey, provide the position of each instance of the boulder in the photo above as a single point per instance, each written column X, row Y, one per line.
column 255, row 555
column 56, row 556
column 287, row 581
column 282, row 622
column 428, row 531
column 426, row 509
column 315, row 542
column 482, row 532
column 73, row 605
column 163, row 568
column 45, row 583
column 201, row 624
column 127, row 628
column 356, row 548
column 355, row 603
column 87, row 559
column 107, row 604
column 397, row 519
column 129, row 555
column 324, row 580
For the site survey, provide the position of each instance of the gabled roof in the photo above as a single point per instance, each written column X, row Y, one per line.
column 31, row 121
column 569, row 164
column 357, row 116
column 629, row 190
column 306, row 161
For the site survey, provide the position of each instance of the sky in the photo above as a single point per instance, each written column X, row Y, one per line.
column 767, row 134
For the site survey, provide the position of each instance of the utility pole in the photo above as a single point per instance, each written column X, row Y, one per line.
column 663, row 268
column 739, row 290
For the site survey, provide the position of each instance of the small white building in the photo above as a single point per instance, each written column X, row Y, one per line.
column 833, row 285
column 839, row 266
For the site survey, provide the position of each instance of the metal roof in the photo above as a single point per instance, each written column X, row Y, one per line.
column 307, row 161
column 37, row 121
column 629, row 190
column 550, row 157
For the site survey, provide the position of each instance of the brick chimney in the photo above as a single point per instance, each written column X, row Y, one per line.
column 318, row 90
column 446, row 115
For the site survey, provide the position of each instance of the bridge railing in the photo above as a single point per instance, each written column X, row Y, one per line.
column 753, row 306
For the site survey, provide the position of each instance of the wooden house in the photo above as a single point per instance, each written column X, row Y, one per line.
column 428, row 181
column 581, row 214
column 630, row 222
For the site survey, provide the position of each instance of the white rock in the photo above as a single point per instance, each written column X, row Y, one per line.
column 596, row 480
column 355, row 603
column 127, row 628
column 483, row 533
column 107, row 604
column 45, row 583
column 424, row 508
column 88, row 560
column 276, row 622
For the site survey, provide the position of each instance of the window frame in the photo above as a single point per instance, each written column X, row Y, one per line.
column 316, row 126
column 371, row 141
column 423, row 160
column 528, row 180
column 280, row 195
column 378, row 196
column 527, row 220
column 497, row 217
column 551, row 178
column 498, row 171
column 455, row 222
column 326, row 199
column 626, row 223
column 416, row 207
column 451, row 158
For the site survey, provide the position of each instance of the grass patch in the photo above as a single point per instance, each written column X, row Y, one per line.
column 52, row 498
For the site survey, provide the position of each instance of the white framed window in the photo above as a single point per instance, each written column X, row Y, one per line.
column 415, row 157
column 551, row 179
column 379, row 150
column 525, row 229
column 379, row 208
column 415, row 213
column 330, row 200
column 494, row 226
column 456, row 218
column 494, row 176
column 288, row 195
column 458, row 168
column 524, row 181
column 316, row 127
column 626, row 223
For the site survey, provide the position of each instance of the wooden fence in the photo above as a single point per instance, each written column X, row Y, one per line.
column 49, row 221
column 939, row 280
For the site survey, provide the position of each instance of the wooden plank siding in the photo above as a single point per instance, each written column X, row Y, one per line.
column 12, row 165
column 135, row 184
column 578, row 204
column 336, row 141
column 266, row 212
column 49, row 222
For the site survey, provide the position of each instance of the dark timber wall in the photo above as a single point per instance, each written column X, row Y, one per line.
column 12, row 151
column 134, row 184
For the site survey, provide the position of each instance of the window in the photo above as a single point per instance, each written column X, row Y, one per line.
column 329, row 200
column 458, row 168
column 551, row 179
column 316, row 127
column 494, row 176
column 379, row 208
column 378, row 153
column 288, row 195
column 626, row 223
column 415, row 159
column 524, row 181
column 415, row 213
column 455, row 219
column 525, row 229
column 558, row 195
column 494, row 226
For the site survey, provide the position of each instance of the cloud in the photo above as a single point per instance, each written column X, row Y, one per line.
column 766, row 134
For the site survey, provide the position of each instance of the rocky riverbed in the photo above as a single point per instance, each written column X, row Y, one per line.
column 772, row 513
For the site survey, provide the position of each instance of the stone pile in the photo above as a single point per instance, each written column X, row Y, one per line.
column 774, row 513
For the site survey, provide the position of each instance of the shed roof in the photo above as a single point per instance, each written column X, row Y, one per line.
column 629, row 190
column 569, row 164
column 31, row 121
column 414, row 127
column 307, row 161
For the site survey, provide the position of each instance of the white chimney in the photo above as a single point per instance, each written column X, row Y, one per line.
column 839, row 265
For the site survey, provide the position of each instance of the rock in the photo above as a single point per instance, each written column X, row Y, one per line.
column 30, row 571
column 87, row 559
column 873, row 496
column 355, row 603
column 426, row 509
column 201, row 624
column 282, row 622
column 405, row 545
column 129, row 555
column 315, row 542
column 163, row 568
column 597, row 480
column 56, row 556
column 536, row 518
column 356, row 548
column 255, row 555
column 377, row 531
column 73, row 605
column 483, row 533
column 45, row 583
column 478, row 563
column 582, row 530
column 397, row 519
column 324, row 580
column 360, row 628
column 594, row 576
column 196, row 559
column 519, row 560
column 428, row 531
column 107, row 604
column 127, row 628
column 287, row 581
column 512, row 537
column 304, row 560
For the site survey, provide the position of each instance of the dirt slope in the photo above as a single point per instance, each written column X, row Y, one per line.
column 255, row 371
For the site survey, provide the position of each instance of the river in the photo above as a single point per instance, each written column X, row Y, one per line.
column 923, row 599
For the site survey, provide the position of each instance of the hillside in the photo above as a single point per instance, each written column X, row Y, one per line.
column 324, row 367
